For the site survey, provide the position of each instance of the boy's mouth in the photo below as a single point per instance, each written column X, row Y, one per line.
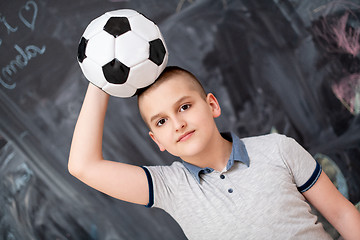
column 185, row 136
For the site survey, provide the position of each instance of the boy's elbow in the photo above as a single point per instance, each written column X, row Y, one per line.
column 78, row 167
column 74, row 169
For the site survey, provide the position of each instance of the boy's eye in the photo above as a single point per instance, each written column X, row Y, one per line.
column 184, row 107
column 161, row 122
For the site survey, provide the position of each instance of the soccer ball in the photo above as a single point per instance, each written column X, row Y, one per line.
column 122, row 51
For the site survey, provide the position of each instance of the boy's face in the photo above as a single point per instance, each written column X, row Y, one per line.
column 181, row 120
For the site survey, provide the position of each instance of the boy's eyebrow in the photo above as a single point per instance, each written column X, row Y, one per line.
column 175, row 104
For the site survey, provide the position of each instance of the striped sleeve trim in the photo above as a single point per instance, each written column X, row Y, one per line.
column 151, row 188
column 314, row 177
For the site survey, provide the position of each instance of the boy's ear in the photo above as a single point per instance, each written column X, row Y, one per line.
column 156, row 141
column 214, row 105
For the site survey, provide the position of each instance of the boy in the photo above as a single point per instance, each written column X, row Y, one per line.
column 226, row 187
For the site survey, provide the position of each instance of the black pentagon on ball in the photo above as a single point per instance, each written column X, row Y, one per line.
column 81, row 49
column 157, row 51
column 117, row 26
column 116, row 72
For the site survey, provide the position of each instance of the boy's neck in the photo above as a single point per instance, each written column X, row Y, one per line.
column 215, row 156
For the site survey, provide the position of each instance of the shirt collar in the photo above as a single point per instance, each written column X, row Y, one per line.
column 238, row 153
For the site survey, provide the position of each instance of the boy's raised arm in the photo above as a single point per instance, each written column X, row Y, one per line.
column 119, row 180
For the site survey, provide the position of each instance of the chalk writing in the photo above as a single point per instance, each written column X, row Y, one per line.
column 27, row 14
column 20, row 61
column 9, row 28
column 31, row 7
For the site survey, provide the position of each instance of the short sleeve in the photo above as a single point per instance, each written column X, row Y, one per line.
column 304, row 168
column 162, row 182
column 151, row 187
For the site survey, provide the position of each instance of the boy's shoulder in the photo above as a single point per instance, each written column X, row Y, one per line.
column 176, row 168
column 268, row 139
column 269, row 144
column 169, row 176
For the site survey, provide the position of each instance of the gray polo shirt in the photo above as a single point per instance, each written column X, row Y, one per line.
column 257, row 196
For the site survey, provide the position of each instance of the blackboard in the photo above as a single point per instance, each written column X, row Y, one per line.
column 266, row 61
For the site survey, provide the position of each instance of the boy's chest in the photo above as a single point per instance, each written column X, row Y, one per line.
column 226, row 204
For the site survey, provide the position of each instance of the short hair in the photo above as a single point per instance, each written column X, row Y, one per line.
column 169, row 72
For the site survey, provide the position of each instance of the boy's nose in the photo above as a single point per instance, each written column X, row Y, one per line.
column 179, row 124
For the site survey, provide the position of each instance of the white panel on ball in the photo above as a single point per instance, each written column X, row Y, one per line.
column 122, row 13
column 101, row 46
column 93, row 71
column 143, row 27
column 124, row 91
column 130, row 49
column 143, row 74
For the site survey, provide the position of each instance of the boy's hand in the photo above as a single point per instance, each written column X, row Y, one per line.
column 119, row 180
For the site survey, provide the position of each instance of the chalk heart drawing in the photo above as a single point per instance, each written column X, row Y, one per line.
column 31, row 7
